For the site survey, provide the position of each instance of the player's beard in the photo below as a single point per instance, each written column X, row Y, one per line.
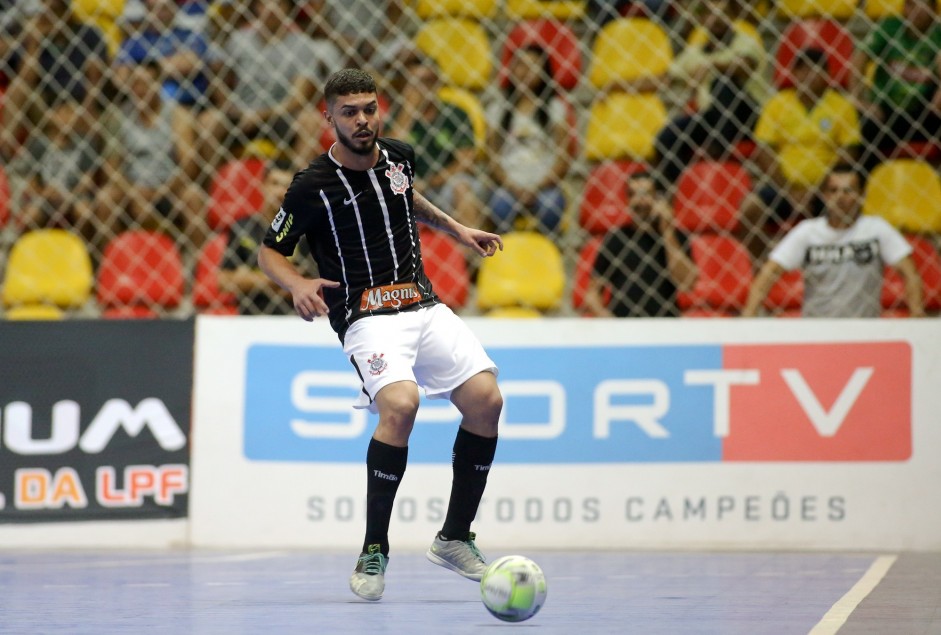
column 358, row 145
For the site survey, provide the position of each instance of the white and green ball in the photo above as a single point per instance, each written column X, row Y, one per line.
column 513, row 588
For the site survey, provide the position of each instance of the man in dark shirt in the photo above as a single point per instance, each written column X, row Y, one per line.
column 356, row 206
column 643, row 265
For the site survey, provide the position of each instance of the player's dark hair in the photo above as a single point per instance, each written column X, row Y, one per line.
column 845, row 168
column 349, row 81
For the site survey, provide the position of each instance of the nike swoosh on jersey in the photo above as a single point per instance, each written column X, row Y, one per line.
column 347, row 201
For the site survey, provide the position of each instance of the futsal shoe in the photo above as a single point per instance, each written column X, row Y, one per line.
column 461, row 556
column 369, row 577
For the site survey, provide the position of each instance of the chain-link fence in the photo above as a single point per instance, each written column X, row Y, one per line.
column 644, row 155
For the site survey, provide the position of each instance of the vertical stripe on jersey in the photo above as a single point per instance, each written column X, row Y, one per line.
column 336, row 241
column 411, row 222
column 359, row 224
column 385, row 217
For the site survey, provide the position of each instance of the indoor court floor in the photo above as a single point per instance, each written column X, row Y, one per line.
column 287, row 592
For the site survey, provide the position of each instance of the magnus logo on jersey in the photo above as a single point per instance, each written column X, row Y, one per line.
column 390, row 296
column 704, row 403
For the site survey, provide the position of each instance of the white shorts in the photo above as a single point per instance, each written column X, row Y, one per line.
column 432, row 347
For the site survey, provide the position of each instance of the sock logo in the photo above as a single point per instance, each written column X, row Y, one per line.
column 383, row 475
column 482, row 468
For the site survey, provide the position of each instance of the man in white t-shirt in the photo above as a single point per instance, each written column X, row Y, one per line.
column 842, row 256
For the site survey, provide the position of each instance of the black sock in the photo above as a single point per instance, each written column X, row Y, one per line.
column 385, row 465
column 471, row 462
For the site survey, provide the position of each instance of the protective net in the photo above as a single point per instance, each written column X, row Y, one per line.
column 145, row 144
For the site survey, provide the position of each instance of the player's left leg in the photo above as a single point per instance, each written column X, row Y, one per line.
column 479, row 401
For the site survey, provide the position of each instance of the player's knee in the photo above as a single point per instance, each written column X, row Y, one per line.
column 398, row 407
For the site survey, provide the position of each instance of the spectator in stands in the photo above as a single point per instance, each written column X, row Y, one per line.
column 727, row 72
column 600, row 12
column 801, row 132
column 642, row 265
column 61, row 170
column 144, row 182
column 842, row 256
column 58, row 54
column 528, row 137
column 239, row 273
column 370, row 31
column 273, row 73
column 905, row 101
column 184, row 55
column 443, row 137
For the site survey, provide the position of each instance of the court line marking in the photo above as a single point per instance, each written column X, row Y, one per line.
column 156, row 560
column 836, row 617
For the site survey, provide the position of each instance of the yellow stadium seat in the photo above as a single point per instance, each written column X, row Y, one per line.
column 840, row 9
column 48, row 266
column 533, row 9
column 470, row 104
column 907, row 193
column 35, row 312
column 103, row 14
column 461, row 49
column 876, row 9
column 629, row 49
column 477, row 9
column 528, row 273
column 624, row 126
column 514, row 313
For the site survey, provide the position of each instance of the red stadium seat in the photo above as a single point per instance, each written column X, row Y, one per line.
column 129, row 313
column 236, row 192
column 928, row 264
column 584, row 269
column 207, row 296
column 786, row 296
column 4, row 197
column 557, row 39
column 604, row 203
column 140, row 268
column 725, row 274
column 446, row 267
column 827, row 35
column 709, row 195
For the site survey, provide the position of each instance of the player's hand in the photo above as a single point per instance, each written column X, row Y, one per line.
column 484, row 243
column 308, row 301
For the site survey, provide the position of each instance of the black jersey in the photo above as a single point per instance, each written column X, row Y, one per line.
column 362, row 232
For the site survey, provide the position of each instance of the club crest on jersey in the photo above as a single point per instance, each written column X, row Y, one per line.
column 398, row 180
column 376, row 364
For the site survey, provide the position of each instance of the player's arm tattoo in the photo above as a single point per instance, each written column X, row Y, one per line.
column 429, row 214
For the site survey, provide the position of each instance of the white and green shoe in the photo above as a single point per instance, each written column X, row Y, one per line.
column 461, row 556
column 368, row 579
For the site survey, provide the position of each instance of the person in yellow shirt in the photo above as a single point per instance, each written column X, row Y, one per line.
column 801, row 132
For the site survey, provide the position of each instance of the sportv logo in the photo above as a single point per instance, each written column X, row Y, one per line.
column 115, row 414
column 781, row 402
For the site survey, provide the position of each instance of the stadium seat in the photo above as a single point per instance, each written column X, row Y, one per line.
column 786, row 296
column 477, row 9
column 725, row 274
column 827, row 35
column 558, row 9
column 461, row 49
column 624, row 126
column 629, row 49
column 34, row 312
column 470, row 104
column 236, row 192
column 878, row 9
column 48, row 266
column 907, row 193
column 104, row 14
column 529, row 273
column 928, row 264
column 140, row 268
column 4, row 198
column 513, row 313
column 135, row 312
column 557, row 39
column 709, row 195
column 207, row 296
column 605, row 200
column 446, row 267
column 583, row 272
column 841, row 9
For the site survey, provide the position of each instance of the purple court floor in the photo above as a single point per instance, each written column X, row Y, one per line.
column 286, row 592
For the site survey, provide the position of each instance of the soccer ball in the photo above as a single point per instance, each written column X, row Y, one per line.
column 513, row 588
